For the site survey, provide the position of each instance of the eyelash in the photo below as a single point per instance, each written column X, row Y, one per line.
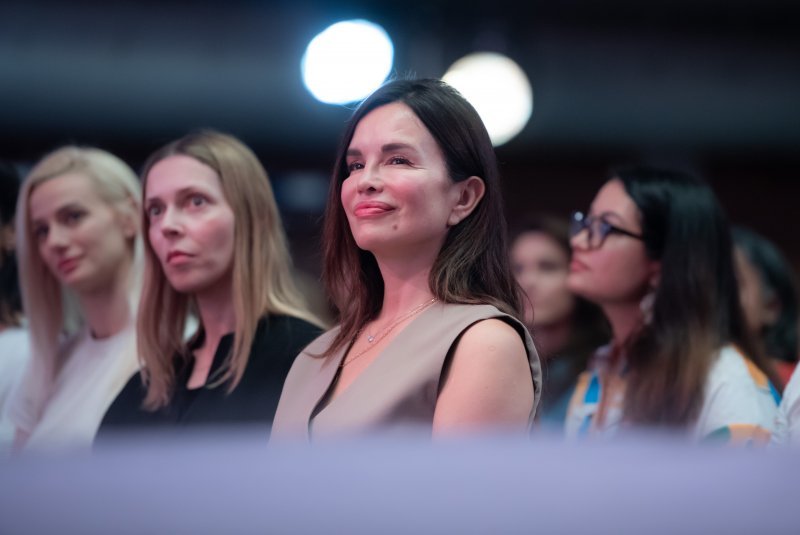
column 354, row 166
column 73, row 217
column 195, row 196
column 394, row 160
column 40, row 233
column 151, row 211
column 156, row 210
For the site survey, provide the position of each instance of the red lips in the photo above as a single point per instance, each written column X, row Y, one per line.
column 177, row 257
column 67, row 265
column 372, row 208
column 577, row 266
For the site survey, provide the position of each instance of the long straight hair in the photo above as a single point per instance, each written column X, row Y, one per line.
column 51, row 309
column 696, row 310
column 262, row 279
column 472, row 266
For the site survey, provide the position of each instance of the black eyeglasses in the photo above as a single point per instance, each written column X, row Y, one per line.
column 598, row 229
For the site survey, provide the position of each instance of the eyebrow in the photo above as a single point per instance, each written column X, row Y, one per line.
column 616, row 219
column 60, row 210
column 607, row 214
column 388, row 147
column 180, row 193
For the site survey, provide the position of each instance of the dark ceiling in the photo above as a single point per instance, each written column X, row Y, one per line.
column 710, row 85
column 655, row 77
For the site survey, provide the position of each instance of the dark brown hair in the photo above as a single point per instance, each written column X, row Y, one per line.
column 472, row 266
column 696, row 310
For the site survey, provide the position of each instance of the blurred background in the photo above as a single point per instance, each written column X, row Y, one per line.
column 709, row 86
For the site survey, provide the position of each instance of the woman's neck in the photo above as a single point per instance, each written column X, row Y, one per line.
column 217, row 313
column 108, row 310
column 625, row 319
column 405, row 286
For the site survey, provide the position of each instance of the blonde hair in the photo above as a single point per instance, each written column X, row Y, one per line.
column 262, row 279
column 51, row 309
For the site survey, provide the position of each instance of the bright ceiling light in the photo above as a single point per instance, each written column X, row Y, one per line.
column 347, row 61
column 498, row 89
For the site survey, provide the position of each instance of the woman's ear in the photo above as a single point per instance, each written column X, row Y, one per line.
column 129, row 218
column 470, row 193
column 7, row 238
column 655, row 274
column 771, row 310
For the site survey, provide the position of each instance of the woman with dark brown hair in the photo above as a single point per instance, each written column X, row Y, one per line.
column 655, row 253
column 416, row 263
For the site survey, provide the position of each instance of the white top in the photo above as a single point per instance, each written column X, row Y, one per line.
column 14, row 351
column 93, row 373
column 739, row 403
column 787, row 420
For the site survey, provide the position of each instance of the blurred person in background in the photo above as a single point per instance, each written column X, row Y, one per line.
column 216, row 248
column 565, row 328
column 78, row 246
column 13, row 333
column 787, row 421
column 768, row 290
column 655, row 253
column 417, row 266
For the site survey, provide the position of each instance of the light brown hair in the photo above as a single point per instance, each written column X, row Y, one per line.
column 262, row 280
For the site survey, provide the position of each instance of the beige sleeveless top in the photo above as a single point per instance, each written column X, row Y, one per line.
column 397, row 391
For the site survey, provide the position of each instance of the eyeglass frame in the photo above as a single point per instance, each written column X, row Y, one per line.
column 578, row 222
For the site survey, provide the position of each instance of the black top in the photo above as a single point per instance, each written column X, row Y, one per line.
column 278, row 340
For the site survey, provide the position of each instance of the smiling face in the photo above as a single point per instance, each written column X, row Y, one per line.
column 619, row 271
column 398, row 198
column 190, row 224
column 81, row 238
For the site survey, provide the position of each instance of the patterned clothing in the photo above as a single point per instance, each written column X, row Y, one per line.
column 739, row 404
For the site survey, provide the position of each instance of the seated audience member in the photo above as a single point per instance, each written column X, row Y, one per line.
column 566, row 329
column 417, row 265
column 787, row 421
column 215, row 245
column 768, row 291
column 78, row 246
column 13, row 332
column 655, row 253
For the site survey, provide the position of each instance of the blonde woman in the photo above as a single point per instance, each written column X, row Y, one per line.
column 77, row 245
column 215, row 246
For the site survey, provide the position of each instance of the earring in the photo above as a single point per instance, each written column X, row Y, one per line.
column 646, row 306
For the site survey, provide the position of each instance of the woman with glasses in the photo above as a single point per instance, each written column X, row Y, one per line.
column 655, row 254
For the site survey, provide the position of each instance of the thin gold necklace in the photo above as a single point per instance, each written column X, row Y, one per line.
column 383, row 333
